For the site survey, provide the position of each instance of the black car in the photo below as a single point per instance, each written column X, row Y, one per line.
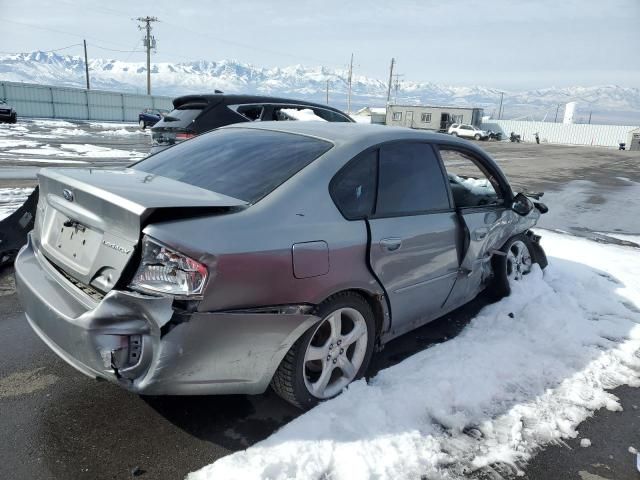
column 7, row 112
column 150, row 116
column 196, row 114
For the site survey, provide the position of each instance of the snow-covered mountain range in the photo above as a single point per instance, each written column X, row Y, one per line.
column 608, row 103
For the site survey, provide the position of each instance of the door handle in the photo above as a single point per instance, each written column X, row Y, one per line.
column 391, row 244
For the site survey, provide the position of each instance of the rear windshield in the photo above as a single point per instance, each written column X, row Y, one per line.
column 242, row 163
column 182, row 117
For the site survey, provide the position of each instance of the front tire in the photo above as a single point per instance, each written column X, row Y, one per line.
column 455, row 134
column 330, row 355
column 142, row 125
column 477, row 137
column 514, row 263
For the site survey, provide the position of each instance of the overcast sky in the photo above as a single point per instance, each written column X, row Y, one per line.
column 504, row 43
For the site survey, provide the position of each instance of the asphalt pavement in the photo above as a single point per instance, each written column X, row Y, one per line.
column 58, row 424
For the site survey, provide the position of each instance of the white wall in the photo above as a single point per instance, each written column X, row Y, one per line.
column 573, row 134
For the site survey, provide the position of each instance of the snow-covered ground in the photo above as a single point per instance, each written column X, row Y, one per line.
column 11, row 199
column 525, row 372
column 55, row 141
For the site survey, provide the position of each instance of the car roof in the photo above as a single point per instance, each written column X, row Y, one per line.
column 232, row 99
column 350, row 133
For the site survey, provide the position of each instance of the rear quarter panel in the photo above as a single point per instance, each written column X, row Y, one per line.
column 249, row 253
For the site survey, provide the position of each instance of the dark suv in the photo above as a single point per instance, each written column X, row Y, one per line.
column 7, row 112
column 196, row 114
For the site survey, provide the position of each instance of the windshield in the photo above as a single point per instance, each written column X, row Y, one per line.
column 242, row 163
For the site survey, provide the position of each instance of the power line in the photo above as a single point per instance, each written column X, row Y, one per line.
column 62, row 32
column 44, row 51
column 114, row 49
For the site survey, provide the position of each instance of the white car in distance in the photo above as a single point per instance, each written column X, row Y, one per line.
column 467, row 131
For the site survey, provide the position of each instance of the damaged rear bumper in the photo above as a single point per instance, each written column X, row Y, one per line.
column 143, row 344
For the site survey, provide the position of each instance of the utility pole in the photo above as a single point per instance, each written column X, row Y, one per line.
column 393, row 60
column 86, row 64
column 590, row 112
column 350, row 77
column 500, row 109
column 396, row 85
column 327, row 91
column 149, row 42
column 557, row 109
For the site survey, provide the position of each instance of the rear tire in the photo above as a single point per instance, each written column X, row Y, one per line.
column 14, row 118
column 330, row 355
column 516, row 261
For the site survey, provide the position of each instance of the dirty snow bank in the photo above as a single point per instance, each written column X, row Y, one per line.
column 494, row 394
column 11, row 199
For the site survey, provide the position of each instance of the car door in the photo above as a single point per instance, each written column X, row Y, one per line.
column 413, row 233
column 465, row 131
column 484, row 217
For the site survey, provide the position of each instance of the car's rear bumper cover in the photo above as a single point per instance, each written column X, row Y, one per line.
column 181, row 353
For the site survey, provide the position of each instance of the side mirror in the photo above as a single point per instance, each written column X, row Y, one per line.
column 522, row 205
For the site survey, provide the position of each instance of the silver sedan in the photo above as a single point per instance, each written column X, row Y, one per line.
column 274, row 254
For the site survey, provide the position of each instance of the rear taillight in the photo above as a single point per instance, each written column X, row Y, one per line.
column 184, row 136
column 163, row 270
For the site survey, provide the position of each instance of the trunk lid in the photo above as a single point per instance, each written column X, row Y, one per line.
column 89, row 221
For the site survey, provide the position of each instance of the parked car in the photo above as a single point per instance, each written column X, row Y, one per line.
column 196, row 114
column 467, row 131
column 7, row 112
column 150, row 116
column 271, row 253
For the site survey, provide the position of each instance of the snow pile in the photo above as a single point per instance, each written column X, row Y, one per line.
column 11, row 199
column 121, row 132
column 585, row 443
column 303, row 115
column 477, row 186
column 526, row 371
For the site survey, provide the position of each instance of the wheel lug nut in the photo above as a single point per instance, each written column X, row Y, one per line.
column 341, row 350
column 328, row 358
column 335, row 360
column 330, row 346
column 339, row 342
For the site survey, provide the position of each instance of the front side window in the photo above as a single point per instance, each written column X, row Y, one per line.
column 397, row 116
column 410, row 180
column 470, row 185
column 247, row 164
column 354, row 188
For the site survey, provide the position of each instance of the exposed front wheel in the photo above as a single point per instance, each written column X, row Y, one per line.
column 455, row 134
column 330, row 355
column 477, row 136
column 514, row 263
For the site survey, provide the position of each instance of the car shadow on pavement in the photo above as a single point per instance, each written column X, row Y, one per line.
column 235, row 422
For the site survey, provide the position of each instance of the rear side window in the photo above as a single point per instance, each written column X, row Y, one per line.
column 410, row 180
column 353, row 189
column 242, row 163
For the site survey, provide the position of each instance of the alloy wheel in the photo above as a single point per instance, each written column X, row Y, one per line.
column 519, row 260
column 335, row 353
